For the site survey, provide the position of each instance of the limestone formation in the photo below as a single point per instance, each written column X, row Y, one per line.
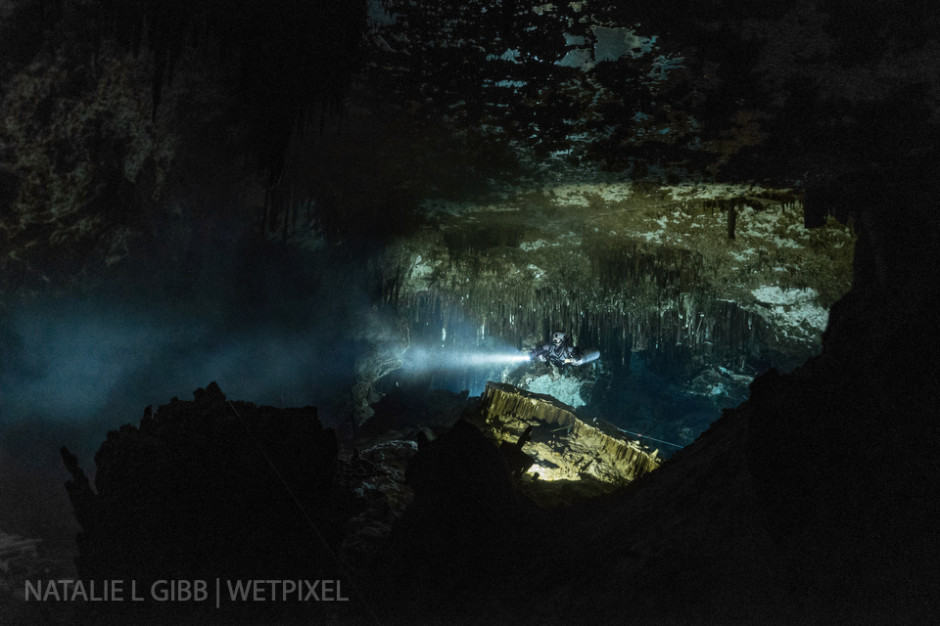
column 624, row 268
column 562, row 447
column 193, row 489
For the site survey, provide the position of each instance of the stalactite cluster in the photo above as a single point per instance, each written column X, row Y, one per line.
column 630, row 299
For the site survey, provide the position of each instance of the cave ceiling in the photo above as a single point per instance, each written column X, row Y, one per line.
column 610, row 170
column 97, row 125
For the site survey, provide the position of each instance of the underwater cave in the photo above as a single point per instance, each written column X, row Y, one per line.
column 278, row 282
column 683, row 316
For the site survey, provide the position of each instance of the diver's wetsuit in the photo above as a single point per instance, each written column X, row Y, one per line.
column 557, row 354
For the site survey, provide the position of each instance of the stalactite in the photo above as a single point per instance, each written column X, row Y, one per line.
column 646, row 300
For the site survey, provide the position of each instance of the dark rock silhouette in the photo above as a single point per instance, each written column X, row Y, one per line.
column 459, row 538
column 212, row 489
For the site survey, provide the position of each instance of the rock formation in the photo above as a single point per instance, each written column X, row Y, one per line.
column 562, row 448
column 212, row 489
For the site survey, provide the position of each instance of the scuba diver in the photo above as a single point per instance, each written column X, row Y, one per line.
column 560, row 353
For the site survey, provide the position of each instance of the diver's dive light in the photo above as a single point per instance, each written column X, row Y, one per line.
column 417, row 358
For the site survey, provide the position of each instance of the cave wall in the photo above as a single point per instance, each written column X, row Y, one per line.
column 652, row 273
column 864, row 411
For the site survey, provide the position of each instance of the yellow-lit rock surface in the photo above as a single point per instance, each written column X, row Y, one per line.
column 570, row 458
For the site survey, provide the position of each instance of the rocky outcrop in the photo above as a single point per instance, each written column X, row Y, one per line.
column 561, row 447
column 376, row 477
column 461, row 534
column 851, row 506
column 212, row 489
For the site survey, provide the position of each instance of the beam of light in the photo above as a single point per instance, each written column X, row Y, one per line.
column 423, row 359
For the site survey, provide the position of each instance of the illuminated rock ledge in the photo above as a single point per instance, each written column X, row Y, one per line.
column 569, row 458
